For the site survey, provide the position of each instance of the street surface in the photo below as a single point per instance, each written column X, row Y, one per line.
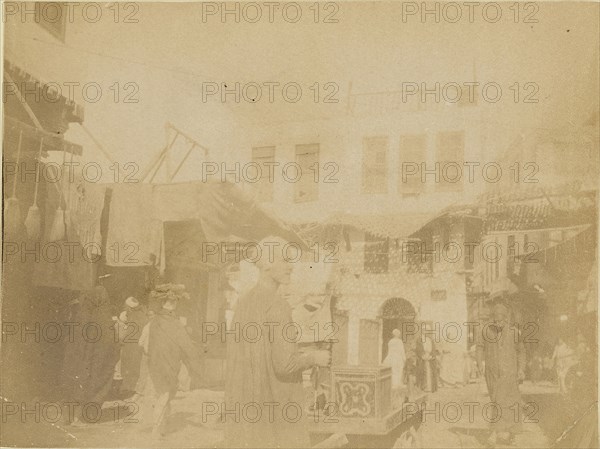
column 187, row 428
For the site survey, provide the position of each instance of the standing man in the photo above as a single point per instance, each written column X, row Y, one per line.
column 426, row 353
column 564, row 358
column 169, row 344
column 504, row 354
column 264, row 399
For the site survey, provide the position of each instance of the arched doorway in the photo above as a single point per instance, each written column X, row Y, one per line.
column 394, row 312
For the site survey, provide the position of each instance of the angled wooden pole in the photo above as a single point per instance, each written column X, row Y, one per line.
column 158, row 158
column 182, row 161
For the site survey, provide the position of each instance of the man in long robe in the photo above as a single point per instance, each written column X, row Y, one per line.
column 426, row 355
column 264, row 399
column 169, row 345
column 501, row 347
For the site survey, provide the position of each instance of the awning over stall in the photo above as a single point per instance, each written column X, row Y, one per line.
column 395, row 226
column 130, row 225
column 138, row 211
column 579, row 240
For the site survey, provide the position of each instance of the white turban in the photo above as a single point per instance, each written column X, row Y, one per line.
column 270, row 250
column 132, row 302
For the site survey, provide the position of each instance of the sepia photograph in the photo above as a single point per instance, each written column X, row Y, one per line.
column 312, row 224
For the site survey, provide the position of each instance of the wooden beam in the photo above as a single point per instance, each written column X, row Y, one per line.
column 160, row 162
column 52, row 142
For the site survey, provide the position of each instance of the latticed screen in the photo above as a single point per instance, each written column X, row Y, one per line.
column 377, row 254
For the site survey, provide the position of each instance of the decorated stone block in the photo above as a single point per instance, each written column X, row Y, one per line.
column 362, row 391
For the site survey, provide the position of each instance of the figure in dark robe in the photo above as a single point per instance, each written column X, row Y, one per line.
column 264, row 399
column 91, row 357
column 501, row 347
column 426, row 357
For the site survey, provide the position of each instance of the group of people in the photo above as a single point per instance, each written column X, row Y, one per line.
column 419, row 367
column 500, row 358
column 145, row 347
column 264, row 373
column 554, row 364
column 154, row 344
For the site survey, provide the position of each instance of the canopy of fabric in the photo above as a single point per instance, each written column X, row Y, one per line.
column 580, row 241
column 138, row 211
column 128, row 228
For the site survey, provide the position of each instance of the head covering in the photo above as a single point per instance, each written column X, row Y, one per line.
column 500, row 304
column 497, row 295
column 396, row 333
column 132, row 302
column 270, row 250
column 169, row 292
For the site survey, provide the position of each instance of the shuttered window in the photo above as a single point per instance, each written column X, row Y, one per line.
column 450, row 154
column 264, row 188
column 307, row 188
column 412, row 153
column 374, row 164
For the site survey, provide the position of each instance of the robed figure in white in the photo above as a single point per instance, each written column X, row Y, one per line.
column 396, row 358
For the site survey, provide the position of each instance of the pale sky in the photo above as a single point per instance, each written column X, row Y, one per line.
column 170, row 52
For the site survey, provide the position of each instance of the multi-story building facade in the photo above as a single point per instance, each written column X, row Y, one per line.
column 375, row 178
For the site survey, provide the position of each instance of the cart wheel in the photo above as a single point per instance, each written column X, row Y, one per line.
column 408, row 439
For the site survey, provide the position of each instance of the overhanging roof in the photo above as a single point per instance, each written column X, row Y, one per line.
column 395, row 226
column 32, row 137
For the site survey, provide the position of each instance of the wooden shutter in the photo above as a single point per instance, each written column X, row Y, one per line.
column 264, row 188
column 450, row 149
column 374, row 175
column 306, row 189
column 412, row 150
